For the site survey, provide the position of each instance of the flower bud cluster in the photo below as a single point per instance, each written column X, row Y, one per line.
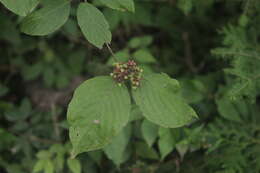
column 127, row 71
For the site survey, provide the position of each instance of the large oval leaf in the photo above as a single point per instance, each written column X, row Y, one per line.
column 20, row 7
column 159, row 99
column 48, row 19
column 98, row 110
column 93, row 25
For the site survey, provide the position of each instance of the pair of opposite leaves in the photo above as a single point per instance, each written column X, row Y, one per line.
column 100, row 109
column 54, row 13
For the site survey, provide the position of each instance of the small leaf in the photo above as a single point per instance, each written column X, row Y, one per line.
column 20, row 7
column 185, row 6
column 25, row 107
column 3, row 90
column 48, row 76
column 166, row 142
column 143, row 56
column 120, row 4
column 59, row 161
column 48, row 19
column 149, row 131
column 160, row 102
column 44, row 155
column 93, row 25
column 96, row 156
column 39, row 166
column 182, row 148
column 143, row 41
column 98, row 111
column 227, row 109
column 144, row 151
column 74, row 165
column 121, row 56
column 48, row 167
column 31, row 72
column 193, row 90
column 116, row 150
column 243, row 20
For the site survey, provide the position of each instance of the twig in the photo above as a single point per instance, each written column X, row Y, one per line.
column 242, row 54
column 112, row 53
column 41, row 140
column 247, row 4
column 54, row 120
column 188, row 56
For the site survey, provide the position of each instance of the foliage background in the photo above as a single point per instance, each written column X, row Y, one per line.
column 211, row 47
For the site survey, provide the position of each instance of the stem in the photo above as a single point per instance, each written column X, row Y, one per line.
column 188, row 53
column 41, row 140
column 112, row 53
column 247, row 5
column 54, row 121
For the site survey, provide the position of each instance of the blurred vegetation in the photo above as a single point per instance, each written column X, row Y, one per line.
column 211, row 46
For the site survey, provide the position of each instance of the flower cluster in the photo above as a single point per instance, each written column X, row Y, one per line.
column 127, row 71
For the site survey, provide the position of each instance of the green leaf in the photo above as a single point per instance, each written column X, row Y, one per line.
column 121, row 56
column 93, row 25
column 62, row 81
column 144, row 151
column 3, row 90
column 227, row 109
column 31, row 72
column 160, row 101
column 193, row 90
column 48, row 167
column 25, row 108
column 96, row 156
column 185, row 6
column 44, row 164
column 44, row 155
column 48, row 19
column 39, row 166
column 243, row 20
column 116, row 150
column 166, row 142
column 149, row 132
column 144, row 56
column 59, row 161
column 8, row 29
column 20, row 7
column 21, row 113
column 182, row 147
column 143, row 41
column 48, row 76
column 120, row 4
column 74, row 165
column 98, row 111
column 135, row 114
column 146, row 68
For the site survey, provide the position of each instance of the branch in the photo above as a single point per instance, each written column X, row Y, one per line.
column 188, row 55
